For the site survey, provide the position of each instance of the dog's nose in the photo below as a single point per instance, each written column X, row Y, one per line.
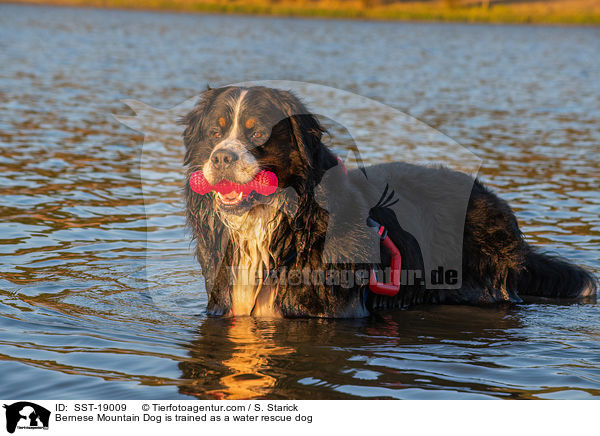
column 222, row 159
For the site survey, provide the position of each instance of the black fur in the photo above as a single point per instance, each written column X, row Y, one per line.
column 498, row 265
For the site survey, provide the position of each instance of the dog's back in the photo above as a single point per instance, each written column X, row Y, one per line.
column 454, row 219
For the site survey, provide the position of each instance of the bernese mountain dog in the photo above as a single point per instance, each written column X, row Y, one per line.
column 256, row 166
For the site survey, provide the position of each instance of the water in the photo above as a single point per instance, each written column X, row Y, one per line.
column 82, row 317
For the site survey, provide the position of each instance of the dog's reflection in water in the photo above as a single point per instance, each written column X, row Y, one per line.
column 253, row 350
column 232, row 359
column 254, row 358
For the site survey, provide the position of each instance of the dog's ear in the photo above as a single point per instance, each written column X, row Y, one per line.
column 307, row 132
column 195, row 122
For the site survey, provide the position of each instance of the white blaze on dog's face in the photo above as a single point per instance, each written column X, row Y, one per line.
column 230, row 159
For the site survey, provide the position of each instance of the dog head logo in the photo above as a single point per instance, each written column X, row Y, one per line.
column 26, row 415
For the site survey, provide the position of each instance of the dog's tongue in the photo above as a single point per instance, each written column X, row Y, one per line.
column 264, row 183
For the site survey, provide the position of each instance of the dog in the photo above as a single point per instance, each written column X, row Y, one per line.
column 255, row 170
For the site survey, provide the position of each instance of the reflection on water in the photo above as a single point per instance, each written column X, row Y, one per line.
column 417, row 354
column 244, row 349
column 100, row 301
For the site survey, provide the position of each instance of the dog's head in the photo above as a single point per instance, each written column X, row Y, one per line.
column 233, row 133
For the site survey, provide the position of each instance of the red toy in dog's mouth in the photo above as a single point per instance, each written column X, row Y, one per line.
column 230, row 193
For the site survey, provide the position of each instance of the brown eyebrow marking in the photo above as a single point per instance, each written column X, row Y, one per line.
column 250, row 123
column 222, row 122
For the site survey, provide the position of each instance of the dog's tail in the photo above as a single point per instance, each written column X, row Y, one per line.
column 552, row 277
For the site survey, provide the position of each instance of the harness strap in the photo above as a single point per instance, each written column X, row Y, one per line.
column 392, row 287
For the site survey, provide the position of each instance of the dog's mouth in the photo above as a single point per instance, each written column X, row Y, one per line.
column 231, row 199
column 238, row 203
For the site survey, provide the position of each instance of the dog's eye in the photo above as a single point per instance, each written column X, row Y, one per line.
column 217, row 133
column 257, row 135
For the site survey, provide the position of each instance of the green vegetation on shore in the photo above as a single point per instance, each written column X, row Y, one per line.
column 481, row 11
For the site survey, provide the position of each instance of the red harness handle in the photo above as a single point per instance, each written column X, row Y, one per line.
column 393, row 286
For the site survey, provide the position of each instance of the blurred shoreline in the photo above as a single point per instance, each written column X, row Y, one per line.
column 575, row 12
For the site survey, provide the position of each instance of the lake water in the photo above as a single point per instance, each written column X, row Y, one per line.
column 81, row 315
